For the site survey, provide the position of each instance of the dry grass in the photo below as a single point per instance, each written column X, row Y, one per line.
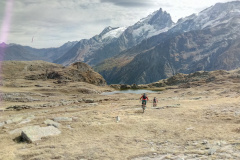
column 208, row 112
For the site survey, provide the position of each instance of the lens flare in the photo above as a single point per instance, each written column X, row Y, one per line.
column 4, row 32
column 6, row 21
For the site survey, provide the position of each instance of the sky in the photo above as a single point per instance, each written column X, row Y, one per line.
column 51, row 23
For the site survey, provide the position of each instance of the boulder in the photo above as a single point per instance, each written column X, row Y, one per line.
column 18, row 107
column 35, row 133
column 28, row 119
column 8, row 121
column 125, row 86
column 2, row 124
column 142, row 86
column 157, row 84
column 19, row 130
column 52, row 123
column 62, row 119
column 115, row 86
column 89, row 100
column 17, row 119
column 14, row 120
column 134, row 86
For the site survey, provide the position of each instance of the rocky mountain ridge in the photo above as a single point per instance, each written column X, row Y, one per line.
column 154, row 48
column 199, row 42
column 180, row 80
column 111, row 41
column 40, row 70
column 87, row 47
column 25, row 53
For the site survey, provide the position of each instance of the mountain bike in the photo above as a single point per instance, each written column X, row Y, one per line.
column 154, row 104
column 143, row 106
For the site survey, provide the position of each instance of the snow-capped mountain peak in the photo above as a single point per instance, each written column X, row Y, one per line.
column 220, row 13
column 217, row 14
column 156, row 19
column 155, row 23
column 113, row 32
column 107, row 29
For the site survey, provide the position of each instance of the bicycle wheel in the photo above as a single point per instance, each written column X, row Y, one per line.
column 143, row 107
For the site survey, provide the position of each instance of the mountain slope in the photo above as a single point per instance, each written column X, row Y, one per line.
column 110, row 42
column 41, row 70
column 17, row 52
column 88, row 47
column 25, row 53
column 198, row 42
column 98, row 48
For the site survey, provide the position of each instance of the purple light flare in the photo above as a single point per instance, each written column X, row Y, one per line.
column 4, row 34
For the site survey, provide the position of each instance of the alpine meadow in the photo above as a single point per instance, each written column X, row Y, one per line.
column 154, row 89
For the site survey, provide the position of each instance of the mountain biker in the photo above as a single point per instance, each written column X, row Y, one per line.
column 155, row 102
column 144, row 99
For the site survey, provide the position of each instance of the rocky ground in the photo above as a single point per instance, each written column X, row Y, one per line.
column 74, row 121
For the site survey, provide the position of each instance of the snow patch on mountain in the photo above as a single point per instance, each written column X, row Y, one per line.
column 157, row 22
column 221, row 13
column 147, row 30
column 216, row 15
column 115, row 33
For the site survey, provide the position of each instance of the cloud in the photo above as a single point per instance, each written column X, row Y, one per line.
column 53, row 23
column 47, row 20
column 130, row 3
column 69, row 20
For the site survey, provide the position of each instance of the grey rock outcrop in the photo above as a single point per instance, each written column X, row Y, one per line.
column 18, row 130
column 52, row 123
column 18, row 107
column 28, row 119
column 35, row 133
column 62, row 119
column 88, row 100
column 13, row 120
column 40, row 70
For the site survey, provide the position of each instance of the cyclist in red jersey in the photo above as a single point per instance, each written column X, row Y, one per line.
column 144, row 99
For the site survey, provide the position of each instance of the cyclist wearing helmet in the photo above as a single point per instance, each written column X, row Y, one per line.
column 144, row 99
column 155, row 102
